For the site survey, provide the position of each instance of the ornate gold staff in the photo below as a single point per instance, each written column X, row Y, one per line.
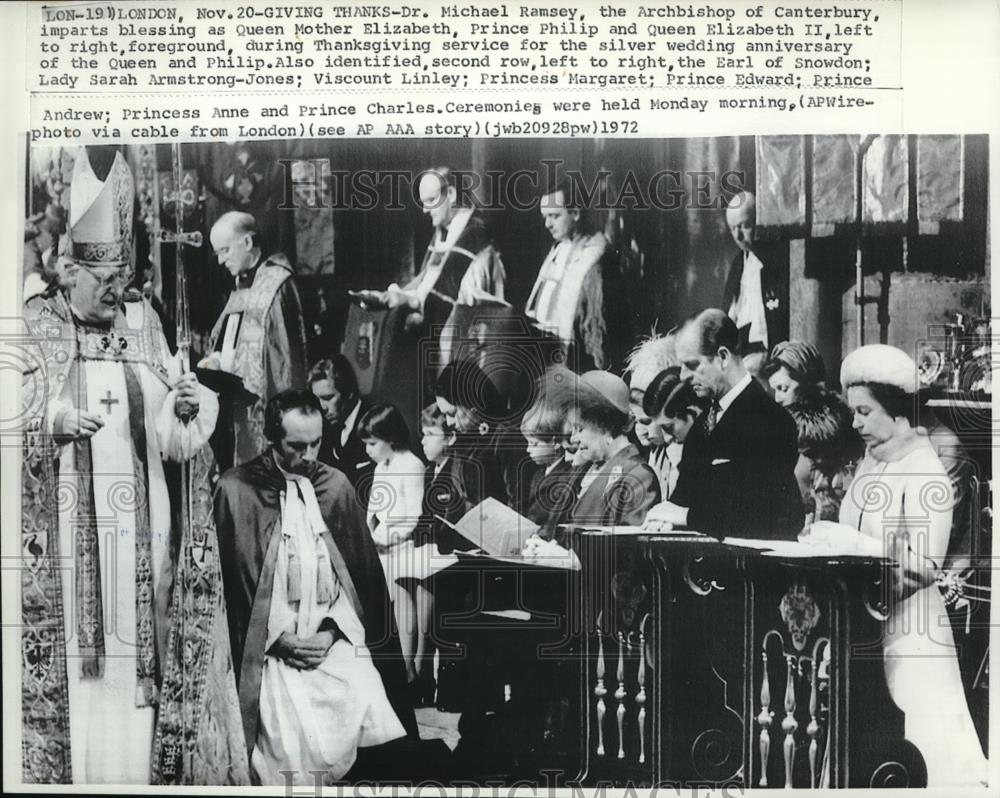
column 181, row 197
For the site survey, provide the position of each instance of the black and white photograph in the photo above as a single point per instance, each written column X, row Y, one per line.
column 532, row 462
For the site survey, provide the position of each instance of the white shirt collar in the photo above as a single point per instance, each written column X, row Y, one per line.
column 349, row 422
column 732, row 393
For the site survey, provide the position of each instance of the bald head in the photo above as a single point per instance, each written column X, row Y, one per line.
column 234, row 240
column 438, row 195
column 741, row 218
column 236, row 221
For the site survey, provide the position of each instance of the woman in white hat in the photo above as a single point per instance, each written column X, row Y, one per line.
column 901, row 496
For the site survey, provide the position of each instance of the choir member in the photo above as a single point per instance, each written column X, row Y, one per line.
column 569, row 296
column 460, row 267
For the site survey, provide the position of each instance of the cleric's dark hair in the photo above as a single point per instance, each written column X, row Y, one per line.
column 337, row 370
column 293, row 399
column 385, row 423
column 572, row 199
column 570, row 194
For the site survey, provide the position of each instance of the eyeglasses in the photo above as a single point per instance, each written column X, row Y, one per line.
column 115, row 278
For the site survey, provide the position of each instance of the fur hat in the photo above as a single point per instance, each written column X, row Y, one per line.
column 880, row 364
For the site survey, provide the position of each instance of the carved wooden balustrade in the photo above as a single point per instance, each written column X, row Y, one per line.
column 678, row 661
column 713, row 664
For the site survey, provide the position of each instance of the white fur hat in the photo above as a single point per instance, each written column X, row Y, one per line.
column 879, row 363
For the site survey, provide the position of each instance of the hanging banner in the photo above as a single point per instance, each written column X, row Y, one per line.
column 781, row 198
column 885, row 181
column 833, row 195
column 940, row 181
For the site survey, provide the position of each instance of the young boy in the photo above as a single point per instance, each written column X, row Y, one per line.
column 553, row 487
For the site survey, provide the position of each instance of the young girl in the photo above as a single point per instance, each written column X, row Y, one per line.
column 394, row 504
column 433, row 541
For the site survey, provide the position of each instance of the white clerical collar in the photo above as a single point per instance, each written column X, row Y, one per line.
column 731, row 395
column 349, row 422
column 751, row 260
column 446, row 240
column 246, row 277
column 288, row 475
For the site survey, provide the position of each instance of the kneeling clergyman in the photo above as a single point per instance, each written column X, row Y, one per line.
column 318, row 661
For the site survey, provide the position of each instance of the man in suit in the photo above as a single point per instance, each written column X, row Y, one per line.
column 335, row 384
column 737, row 474
column 756, row 292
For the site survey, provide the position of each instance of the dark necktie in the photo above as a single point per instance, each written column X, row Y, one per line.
column 712, row 418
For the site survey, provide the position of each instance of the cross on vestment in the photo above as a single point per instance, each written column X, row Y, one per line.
column 108, row 400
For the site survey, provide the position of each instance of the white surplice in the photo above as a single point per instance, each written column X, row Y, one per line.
column 111, row 737
column 315, row 720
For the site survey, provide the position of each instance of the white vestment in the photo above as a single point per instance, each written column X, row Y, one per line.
column 111, row 737
column 315, row 720
column 748, row 307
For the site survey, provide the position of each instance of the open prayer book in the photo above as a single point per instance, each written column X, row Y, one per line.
column 495, row 528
